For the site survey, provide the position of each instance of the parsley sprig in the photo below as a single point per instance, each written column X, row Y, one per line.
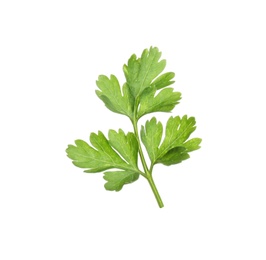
column 145, row 91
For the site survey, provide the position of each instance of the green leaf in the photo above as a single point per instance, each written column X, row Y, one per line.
column 174, row 156
column 177, row 132
column 98, row 158
column 164, row 101
column 180, row 153
column 193, row 144
column 164, row 80
column 111, row 95
column 140, row 72
column 117, row 179
column 174, row 148
column 151, row 136
column 126, row 145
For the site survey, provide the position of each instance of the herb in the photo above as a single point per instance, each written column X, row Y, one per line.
column 145, row 91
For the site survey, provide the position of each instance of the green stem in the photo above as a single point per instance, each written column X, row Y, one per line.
column 155, row 191
column 148, row 173
column 140, row 149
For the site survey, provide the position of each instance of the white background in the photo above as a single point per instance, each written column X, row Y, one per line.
column 50, row 57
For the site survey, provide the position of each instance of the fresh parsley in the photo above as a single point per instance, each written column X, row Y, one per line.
column 145, row 91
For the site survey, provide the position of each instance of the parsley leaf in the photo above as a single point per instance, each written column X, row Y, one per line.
column 117, row 179
column 180, row 153
column 174, row 156
column 126, row 145
column 140, row 72
column 151, row 136
column 164, row 80
column 164, row 101
column 102, row 156
column 177, row 132
column 110, row 94
column 173, row 148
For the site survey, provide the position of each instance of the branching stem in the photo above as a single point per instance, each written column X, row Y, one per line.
column 148, row 173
